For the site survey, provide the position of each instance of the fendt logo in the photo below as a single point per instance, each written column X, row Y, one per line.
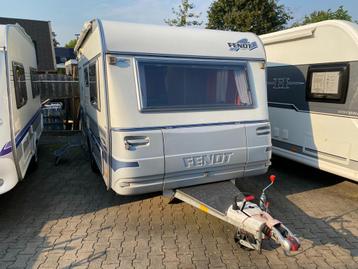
column 243, row 44
column 207, row 159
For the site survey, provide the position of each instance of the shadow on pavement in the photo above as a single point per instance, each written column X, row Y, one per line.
column 64, row 216
column 320, row 207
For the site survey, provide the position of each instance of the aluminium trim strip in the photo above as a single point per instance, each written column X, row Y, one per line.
column 146, row 54
column 185, row 126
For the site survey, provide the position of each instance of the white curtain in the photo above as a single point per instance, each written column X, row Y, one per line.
column 242, row 87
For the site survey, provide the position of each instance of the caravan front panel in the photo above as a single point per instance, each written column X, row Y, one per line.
column 182, row 150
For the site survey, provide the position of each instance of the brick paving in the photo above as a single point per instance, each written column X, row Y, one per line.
column 63, row 217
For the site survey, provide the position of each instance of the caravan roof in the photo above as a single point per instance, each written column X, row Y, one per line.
column 3, row 33
column 322, row 42
column 130, row 38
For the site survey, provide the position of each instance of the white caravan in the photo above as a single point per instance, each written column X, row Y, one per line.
column 180, row 111
column 20, row 115
column 171, row 107
column 313, row 95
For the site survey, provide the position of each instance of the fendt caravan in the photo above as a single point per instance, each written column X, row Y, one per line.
column 313, row 95
column 20, row 115
column 173, row 110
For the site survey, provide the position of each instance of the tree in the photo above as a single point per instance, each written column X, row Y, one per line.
column 258, row 16
column 54, row 40
column 322, row 15
column 184, row 16
column 71, row 44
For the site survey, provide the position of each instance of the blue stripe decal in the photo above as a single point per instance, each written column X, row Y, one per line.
column 6, row 149
column 20, row 136
column 186, row 126
column 116, row 165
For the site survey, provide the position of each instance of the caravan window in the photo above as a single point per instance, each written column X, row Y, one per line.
column 328, row 83
column 34, row 83
column 177, row 85
column 93, row 85
column 19, row 84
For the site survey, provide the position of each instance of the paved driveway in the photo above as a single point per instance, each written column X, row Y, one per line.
column 62, row 216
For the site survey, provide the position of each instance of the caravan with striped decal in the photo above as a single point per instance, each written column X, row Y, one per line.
column 20, row 115
column 313, row 95
column 166, row 107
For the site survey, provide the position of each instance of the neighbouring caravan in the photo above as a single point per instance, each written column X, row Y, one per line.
column 20, row 116
column 313, row 95
column 171, row 107
column 180, row 111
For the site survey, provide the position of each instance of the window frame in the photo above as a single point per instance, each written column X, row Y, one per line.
column 96, row 105
column 36, row 93
column 86, row 74
column 343, row 83
column 14, row 66
column 204, row 62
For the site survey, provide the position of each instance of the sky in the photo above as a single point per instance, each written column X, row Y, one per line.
column 68, row 16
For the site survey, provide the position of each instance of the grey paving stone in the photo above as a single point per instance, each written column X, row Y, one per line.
column 63, row 217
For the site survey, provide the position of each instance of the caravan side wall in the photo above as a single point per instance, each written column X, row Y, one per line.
column 92, row 83
column 319, row 130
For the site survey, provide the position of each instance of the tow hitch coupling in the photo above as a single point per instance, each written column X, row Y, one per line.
column 256, row 224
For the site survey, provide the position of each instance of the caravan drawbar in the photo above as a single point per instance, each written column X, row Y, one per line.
column 181, row 111
column 20, row 114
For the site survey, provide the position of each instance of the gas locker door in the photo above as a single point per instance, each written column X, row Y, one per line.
column 137, row 161
column 202, row 154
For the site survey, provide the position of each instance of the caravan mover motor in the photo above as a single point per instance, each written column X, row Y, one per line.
column 313, row 95
column 20, row 116
column 180, row 111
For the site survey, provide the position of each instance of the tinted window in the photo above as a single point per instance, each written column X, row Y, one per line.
column 34, row 83
column 193, row 86
column 93, row 85
column 20, row 85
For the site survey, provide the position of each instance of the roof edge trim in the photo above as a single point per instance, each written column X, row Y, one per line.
column 84, row 32
column 284, row 37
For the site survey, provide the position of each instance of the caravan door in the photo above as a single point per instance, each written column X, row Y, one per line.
column 206, row 151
